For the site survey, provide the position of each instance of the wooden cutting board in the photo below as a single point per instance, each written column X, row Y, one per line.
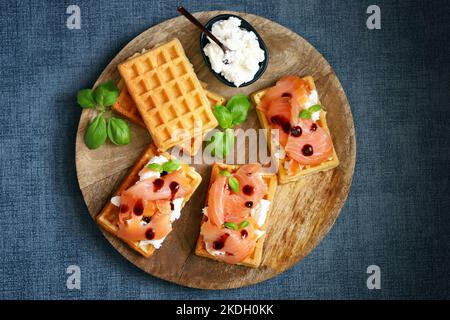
column 302, row 213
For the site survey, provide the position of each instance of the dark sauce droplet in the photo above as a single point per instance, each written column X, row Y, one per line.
column 248, row 190
column 313, row 127
column 146, row 219
column 286, row 95
column 123, row 208
column 307, row 150
column 174, row 186
column 220, row 243
column 249, row 204
column 158, row 184
column 244, row 233
column 283, row 122
column 296, row 131
column 172, row 206
column 217, row 245
column 138, row 208
column 149, row 234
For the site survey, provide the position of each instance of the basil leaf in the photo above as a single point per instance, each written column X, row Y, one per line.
column 223, row 116
column 225, row 173
column 239, row 106
column 305, row 114
column 155, row 167
column 217, row 144
column 220, row 143
column 314, row 108
column 85, row 98
column 106, row 94
column 118, row 131
column 230, row 225
column 228, row 141
column 243, row 224
column 95, row 134
column 171, row 165
column 234, row 184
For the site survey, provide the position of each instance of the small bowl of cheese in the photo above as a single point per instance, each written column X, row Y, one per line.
column 247, row 58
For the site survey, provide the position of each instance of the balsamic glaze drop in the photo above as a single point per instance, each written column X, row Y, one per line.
column 138, row 208
column 149, row 234
column 296, row 131
column 307, row 150
column 158, row 184
column 248, row 189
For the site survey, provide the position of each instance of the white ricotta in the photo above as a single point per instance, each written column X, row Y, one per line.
column 241, row 63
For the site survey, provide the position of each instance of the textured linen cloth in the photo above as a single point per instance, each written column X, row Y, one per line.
column 397, row 213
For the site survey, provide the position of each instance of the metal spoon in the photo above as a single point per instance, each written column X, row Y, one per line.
column 198, row 24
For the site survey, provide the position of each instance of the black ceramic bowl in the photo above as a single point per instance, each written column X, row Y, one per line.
column 245, row 25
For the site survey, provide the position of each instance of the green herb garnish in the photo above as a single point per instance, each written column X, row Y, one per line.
column 106, row 94
column 235, row 112
column 171, row 165
column 239, row 106
column 96, row 134
column 221, row 143
column 234, row 184
column 223, row 116
column 155, row 167
column 307, row 113
column 243, row 224
column 116, row 129
column 85, row 98
column 225, row 173
column 230, row 225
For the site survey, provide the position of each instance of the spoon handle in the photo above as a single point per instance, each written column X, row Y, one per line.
column 198, row 24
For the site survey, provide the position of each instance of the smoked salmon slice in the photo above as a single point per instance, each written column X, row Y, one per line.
column 146, row 207
column 303, row 140
column 228, row 210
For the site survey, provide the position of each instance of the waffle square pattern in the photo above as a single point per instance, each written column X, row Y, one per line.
column 168, row 94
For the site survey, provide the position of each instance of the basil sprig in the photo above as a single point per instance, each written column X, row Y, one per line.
column 221, row 143
column 234, row 184
column 225, row 173
column 98, row 130
column 169, row 166
column 234, row 113
column 96, row 134
column 307, row 113
column 118, row 131
column 234, row 226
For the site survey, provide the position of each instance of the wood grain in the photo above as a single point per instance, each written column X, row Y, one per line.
column 303, row 212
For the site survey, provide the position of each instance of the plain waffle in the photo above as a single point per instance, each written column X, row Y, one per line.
column 168, row 94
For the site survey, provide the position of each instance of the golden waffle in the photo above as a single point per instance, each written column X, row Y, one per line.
column 126, row 107
column 283, row 176
column 107, row 218
column 168, row 94
column 254, row 259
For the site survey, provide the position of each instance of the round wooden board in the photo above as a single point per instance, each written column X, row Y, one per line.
column 302, row 213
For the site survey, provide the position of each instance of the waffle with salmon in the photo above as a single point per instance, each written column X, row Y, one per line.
column 254, row 259
column 108, row 217
column 283, row 175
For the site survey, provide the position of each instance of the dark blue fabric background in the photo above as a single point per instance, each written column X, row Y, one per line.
column 397, row 213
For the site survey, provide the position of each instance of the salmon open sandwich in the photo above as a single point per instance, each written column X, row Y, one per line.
column 292, row 107
column 236, row 213
column 149, row 200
